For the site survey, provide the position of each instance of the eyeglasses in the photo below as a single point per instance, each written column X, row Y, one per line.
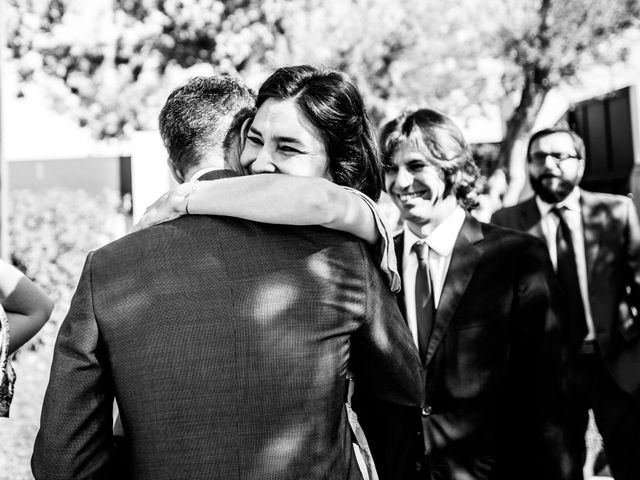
column 539, row 158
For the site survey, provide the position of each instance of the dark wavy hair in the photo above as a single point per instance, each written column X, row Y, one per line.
column 332, row 103
column 441, row 142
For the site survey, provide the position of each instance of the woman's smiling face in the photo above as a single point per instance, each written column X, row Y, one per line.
column 281, row 140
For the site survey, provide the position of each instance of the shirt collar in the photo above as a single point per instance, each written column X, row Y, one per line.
column 444, row 236
column 201, row 172
column 571, row 203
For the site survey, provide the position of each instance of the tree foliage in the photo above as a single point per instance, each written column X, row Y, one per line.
column 112, row 63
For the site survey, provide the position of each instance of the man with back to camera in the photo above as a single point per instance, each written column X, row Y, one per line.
column 480, row 303
column 224, row 341
column 594, row 243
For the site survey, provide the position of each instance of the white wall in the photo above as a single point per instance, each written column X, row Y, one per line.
column 150, row 175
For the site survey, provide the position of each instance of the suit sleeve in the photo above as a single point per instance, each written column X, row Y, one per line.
column 541, row 366
column 389, row 381
column 76, row 424
column 633, row 249
column 384, row 358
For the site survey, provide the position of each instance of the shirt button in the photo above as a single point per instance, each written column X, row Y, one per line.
column 426, row 410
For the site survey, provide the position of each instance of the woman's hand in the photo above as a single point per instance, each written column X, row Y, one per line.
column 171, row 205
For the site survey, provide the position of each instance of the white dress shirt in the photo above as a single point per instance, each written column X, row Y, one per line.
column 440, row 249
column 549, row 223
column 201, row 172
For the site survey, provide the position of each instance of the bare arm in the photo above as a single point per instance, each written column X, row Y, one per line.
column 269, row 198
column 28, row 308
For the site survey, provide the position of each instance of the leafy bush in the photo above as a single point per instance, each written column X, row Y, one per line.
column 51, row 232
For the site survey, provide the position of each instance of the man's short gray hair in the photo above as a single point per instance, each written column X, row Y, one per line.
column 197, row 117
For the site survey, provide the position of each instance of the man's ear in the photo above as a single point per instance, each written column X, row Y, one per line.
column 175, row 172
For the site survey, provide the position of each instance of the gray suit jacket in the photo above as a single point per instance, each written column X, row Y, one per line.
column 226, row 344
column 612, row 249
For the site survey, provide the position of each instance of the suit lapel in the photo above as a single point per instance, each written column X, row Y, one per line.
column 464, row 260
column 529, row 220
column 592, row 227
column 398, row 243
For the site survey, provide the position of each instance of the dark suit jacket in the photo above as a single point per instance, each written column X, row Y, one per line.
column 612, row 250
column 226, row 344
column 490, row 363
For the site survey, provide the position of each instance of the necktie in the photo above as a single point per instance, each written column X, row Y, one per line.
column 425, row 306
column 568, row 277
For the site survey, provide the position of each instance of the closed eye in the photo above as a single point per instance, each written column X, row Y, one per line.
column 289, row 149
column 254, row 139
column 415, row 166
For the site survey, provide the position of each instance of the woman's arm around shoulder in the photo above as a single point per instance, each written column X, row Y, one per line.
column 269, row 198
column 285, row 200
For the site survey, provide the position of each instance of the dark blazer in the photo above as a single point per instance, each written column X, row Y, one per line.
column 226, row 344
column 612, row 250
column 491, row 364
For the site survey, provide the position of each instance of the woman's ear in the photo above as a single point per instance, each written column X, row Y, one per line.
column 244, row 130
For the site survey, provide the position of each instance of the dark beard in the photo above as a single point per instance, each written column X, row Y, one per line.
column 551, row 193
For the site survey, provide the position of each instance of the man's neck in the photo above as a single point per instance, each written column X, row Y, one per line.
column 440, row 214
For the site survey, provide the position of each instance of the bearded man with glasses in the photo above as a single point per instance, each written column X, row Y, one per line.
column 594, row 244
